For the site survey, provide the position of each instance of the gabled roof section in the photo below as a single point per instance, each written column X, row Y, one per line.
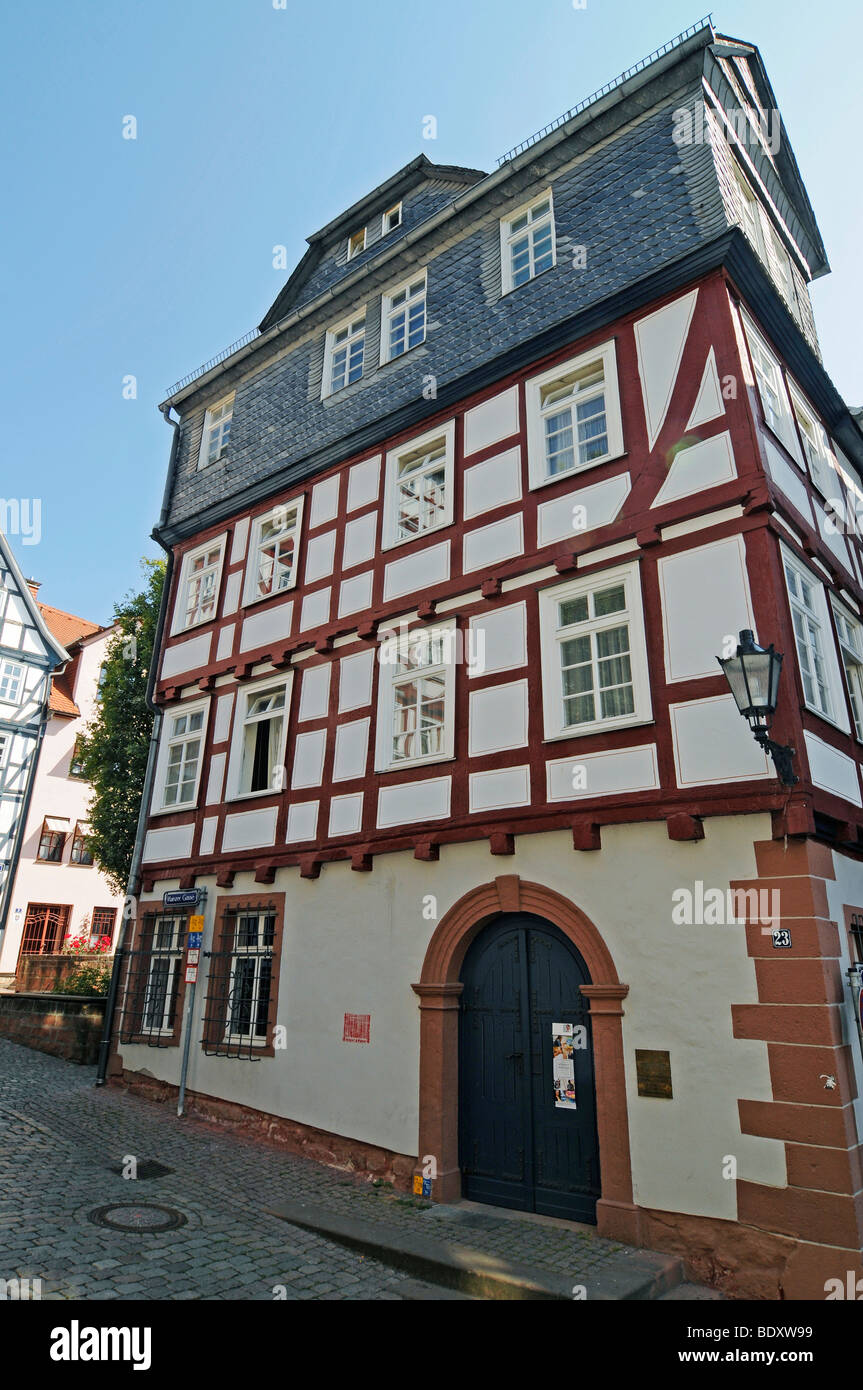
column 55, row 649
column 419, row 171
column 66, row 627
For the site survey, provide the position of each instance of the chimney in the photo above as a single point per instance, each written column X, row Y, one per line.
column 34, row 585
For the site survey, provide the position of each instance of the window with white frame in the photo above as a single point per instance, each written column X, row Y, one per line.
column 573, row 416
column 416, row 722
column 217, row 429
column 850, row 632
column 198, row 595
column 356, row 242
column 594, row 664
column 764, row 237
column 11, row 681
column 251, row 971
column 811, row 636
column 260, row 733
column 391, row 219
column 273, row 551
column 419, row 486
column 159, row 1009
column 772, row 391
column 344, row 353
column 178, row 771
column 816, row 447
column 403, row 318
column 527, row 242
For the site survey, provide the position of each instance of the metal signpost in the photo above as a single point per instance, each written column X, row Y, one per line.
column 194, row 937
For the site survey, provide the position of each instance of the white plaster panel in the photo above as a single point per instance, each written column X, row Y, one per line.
column 208, row 834
column 320, row 555
column 359, row 540
column 498, row 640
column 269, row 625
column 488, row 545
column 315, row 691
column 239, row 540
column 355, row 595
column 492, row 483
column 705, row 464
column 494, row 419
column 302, row 821
column 832, row 537
column 507, row 786
column 216, row 779
column 660, row 338
column 316, row 609
column 186, row 656
column 346, row 814
column 786, row 479
column 325, row 501
column 309, row 751
column 363, row 483
column 355, row 680
column 413, row 802
column 602, row 774
column 233, row 584
column 172, row 842
column 226, row 641
column 705, row 598
column 417, row 571
column 832, row 770
column 222, row 722
column 561, row 518
column 351, row 752
column 713, row 743
column 250, row 829
column 709, row 404
column 498, row 718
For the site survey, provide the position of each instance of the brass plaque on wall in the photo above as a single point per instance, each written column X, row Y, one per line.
column 653, row 1070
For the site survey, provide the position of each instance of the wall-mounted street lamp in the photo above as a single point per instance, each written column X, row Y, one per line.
column 753, row 675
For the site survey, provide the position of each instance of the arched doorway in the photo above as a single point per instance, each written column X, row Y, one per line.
column 527, row 1105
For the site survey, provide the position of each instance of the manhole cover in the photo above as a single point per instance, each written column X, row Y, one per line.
column 137, row 1216
column 146, row 1168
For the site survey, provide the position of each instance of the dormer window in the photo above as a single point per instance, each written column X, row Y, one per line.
column 527, row 243
column 356, row 243
column 217, row 428
column 391, row 219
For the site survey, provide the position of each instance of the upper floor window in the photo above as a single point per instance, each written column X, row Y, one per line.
column 102, row 924
column 80, row 852
column 391, row 219
column 527, row 242
column 416, row 719
column 11, row 681
column 52, row 839
column 76, row 765
column 764, row 237
column 573, row 416
column 260, row 731
column 272, row 565
column 356, row 243
column 419, row 486
column 217, row 428
column 180, row 755
column 594, row 655
column 198, row 594
column 403, row 318
column 344, row 353
column 811, row 636
column 816, row 447
column 771, row 390
column 850, row 632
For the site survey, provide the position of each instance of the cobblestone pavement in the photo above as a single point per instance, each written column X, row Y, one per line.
column 61, row 1137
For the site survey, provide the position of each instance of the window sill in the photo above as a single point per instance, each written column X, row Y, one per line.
column 268, row 598
column 389, row 361
column 606, row 726
column 421, row 535
column 175, row 810
column 819, row 714
column 536, row 483
column 514, row 289
column 409, row 764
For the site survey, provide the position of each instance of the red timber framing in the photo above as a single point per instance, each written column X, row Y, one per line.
column 749, row 506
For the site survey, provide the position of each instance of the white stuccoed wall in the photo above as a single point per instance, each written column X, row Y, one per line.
column 354, row 943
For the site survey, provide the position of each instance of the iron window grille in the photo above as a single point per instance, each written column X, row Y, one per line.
column 240, row 1001
column 152, row 996
column 855, row 927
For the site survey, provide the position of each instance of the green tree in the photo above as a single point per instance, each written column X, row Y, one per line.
column 114, row 746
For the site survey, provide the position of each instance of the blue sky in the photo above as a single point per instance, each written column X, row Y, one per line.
column 256, row 126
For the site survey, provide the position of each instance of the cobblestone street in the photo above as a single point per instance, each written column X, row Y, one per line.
column 62, row 1146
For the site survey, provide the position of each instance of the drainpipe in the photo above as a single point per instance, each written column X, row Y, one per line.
column 134, row 867
column 25, row 809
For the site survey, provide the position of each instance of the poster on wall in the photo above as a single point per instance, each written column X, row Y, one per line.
column 563, row 1064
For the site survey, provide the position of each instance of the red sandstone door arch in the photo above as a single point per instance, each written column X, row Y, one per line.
column 439, row 989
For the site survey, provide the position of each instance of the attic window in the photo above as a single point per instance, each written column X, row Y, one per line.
column 356, row 243
column 391, row 219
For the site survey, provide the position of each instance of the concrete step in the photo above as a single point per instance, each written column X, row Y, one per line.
column 625, row 1274
column 415, row 1291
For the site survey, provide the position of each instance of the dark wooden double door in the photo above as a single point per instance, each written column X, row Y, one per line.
column 523, row 1143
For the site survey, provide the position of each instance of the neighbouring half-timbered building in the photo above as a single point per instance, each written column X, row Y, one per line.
column 446, row 763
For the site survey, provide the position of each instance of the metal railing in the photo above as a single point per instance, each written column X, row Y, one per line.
column 249, row 337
